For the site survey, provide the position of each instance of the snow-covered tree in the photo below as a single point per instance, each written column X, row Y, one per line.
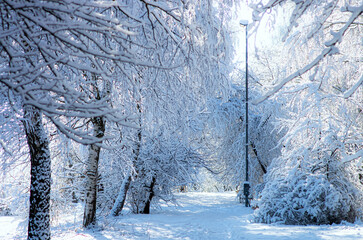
column 316, row 178
column 46, row 47
column 225, row 137
column 165, row 163
column 167, row 100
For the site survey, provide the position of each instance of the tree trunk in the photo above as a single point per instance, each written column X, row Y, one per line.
column 121, row 198
column 146, row 209
column 89, row 217
column 253, row 146
column 40, row 171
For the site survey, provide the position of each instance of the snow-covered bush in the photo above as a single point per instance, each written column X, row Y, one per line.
column 301, row 198
column 311, row 183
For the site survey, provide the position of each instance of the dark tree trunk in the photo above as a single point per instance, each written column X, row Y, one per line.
column 146, row 209
column 89, row 217
column 253, row 146
column 40, row 171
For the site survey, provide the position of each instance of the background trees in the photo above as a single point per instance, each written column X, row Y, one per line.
column 167, row 100
column 69, row 61
column 225, row 136
column 320, row 91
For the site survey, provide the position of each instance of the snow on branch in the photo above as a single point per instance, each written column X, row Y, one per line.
column 5, row 148
column 329, row 50
column 350, row 92
column 296, row 74
column 162, row 7
column 357, row 155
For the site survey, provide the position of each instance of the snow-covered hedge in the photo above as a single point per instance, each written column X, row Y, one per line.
column 301, row 199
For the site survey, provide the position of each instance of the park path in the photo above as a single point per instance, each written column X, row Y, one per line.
column 199, row 216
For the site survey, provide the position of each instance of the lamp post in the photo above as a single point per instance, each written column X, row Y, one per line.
column 246, row 185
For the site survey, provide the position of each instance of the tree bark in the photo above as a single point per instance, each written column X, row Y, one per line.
column 89, row 217
column 40, row 171
column 121, row 198
column 146, row 209
column 253, row 146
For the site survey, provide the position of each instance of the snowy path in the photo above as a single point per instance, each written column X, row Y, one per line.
column 200, row 216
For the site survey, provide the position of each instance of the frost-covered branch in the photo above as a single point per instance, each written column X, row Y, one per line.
column 330, row 49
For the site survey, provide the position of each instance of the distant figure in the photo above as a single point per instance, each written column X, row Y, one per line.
column 183, row 189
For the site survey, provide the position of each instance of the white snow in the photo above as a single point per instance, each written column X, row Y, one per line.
column 199, row 216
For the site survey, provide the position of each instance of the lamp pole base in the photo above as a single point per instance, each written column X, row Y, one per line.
column 246, row 192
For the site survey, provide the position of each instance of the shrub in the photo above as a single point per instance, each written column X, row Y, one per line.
column 301, row 198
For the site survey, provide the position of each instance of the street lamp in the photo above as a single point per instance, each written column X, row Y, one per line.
column 246, row 185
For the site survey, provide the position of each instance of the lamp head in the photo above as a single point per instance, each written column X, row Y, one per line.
column 244, row 22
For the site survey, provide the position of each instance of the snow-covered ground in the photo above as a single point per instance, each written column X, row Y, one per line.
column 199, row 216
